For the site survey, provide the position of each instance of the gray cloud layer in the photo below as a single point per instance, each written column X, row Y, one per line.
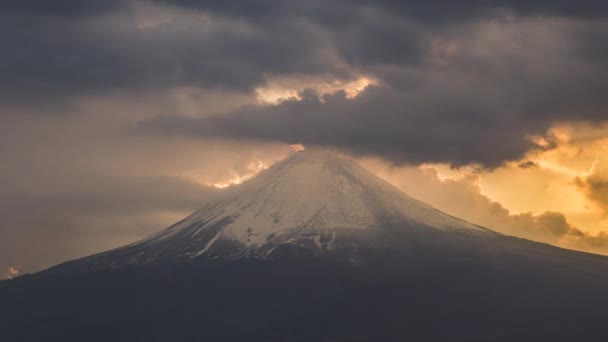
column 462, row 82
column 465, row 91
column 68, row 8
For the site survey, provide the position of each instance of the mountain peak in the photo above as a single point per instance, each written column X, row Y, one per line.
column 314, row 153
column 314, row 198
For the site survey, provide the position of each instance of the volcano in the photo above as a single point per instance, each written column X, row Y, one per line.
column 313, row 201
column 315, row 248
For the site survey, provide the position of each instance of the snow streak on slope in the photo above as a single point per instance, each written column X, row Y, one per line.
column 309, row 199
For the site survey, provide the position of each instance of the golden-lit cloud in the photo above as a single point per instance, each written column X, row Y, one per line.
column 297, row 147
column 253, row 167
column 12, row 272
column 556, row 194
column 567, row 178
column 595, row 185
column 281, row 89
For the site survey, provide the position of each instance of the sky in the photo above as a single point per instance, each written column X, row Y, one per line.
column 119, row 117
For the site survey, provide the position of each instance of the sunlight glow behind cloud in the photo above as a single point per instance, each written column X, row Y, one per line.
column 254, row 168
column 12, row 272
column 279, row 90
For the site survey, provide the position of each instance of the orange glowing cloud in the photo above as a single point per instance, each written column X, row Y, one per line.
column 297, row 147
column 254, row 168
column 557, row 193
column 279, row 90
column 12, row 272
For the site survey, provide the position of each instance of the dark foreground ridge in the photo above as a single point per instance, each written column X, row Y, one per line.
column 401, row 272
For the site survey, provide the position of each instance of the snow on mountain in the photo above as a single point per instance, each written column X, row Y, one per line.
column 308, row 199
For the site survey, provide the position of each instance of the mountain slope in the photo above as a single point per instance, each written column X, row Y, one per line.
column 312, row 198
column 315, row 249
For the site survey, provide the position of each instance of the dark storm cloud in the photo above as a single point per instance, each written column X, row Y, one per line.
column 239, row 8
column 46, row 57
column 461, row 82
column 434, row 10
column 457, row 10
column 473, row 94
column 74, row 8
column 447, row 111
column 61, row 48
column 401, row 128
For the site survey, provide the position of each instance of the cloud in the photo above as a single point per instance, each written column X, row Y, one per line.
column 73, row 8
column 429, row 10
column 73, row 184
column 595, row 186
column 47, row 57
column 456, row 11
column 12, row 272
column 460, row 83
column 71, row 221
column 528, row 164
column 475, row 95
column 111, row 196
column 462, row 197
column 374, row 123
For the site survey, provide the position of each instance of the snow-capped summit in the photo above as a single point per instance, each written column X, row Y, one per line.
column 314, row 199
